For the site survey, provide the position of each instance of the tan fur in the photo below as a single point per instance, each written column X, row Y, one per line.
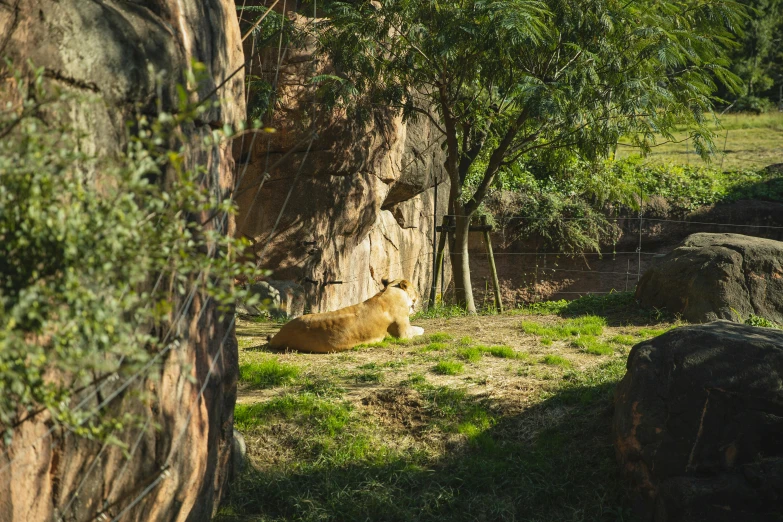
column 386, row 313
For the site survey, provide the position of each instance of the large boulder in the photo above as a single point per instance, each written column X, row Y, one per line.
column 356, row 205
column 698, row 424
column 114, row 49
column 717, row 276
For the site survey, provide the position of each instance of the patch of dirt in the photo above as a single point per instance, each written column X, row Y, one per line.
column 400, row 408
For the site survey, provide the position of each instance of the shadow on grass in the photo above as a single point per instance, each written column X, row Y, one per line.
column 617, row 308
column 550, row 462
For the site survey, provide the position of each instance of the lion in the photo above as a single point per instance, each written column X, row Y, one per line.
column 386, row 313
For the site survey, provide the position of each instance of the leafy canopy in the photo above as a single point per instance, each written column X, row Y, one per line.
column 508, row 81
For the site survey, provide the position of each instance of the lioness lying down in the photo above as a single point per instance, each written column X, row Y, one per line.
column 386, row 313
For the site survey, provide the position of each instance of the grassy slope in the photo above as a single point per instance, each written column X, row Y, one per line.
column 485, row 418
column 750, row 141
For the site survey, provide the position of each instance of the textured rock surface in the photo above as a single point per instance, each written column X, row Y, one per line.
column 362, row 202
column 698, row 424
column 105, row 47
column 280, row 299
column 717, row 276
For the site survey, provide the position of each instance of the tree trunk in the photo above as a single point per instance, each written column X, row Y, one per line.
column 460, row 263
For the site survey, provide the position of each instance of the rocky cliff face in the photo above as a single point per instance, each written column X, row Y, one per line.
column 356, row 204
column 106, row 47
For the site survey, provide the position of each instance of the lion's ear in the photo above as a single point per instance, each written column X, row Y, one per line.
column 385, row 282
column 404, row 284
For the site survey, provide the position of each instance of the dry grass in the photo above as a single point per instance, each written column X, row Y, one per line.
column 477, row 420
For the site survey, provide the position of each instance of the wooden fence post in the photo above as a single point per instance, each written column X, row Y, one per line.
column 493, row 269
column 439, row 260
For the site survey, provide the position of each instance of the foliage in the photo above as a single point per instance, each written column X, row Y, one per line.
column 273, row 30
column 755, row 320
column 686, row 187
column 563, row 214
column 572, row 211
column 101, row 255
column 758, row 60
column 520, row 81
column 753, row 104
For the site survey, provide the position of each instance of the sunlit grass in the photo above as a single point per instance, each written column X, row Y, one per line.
column 269, row 372
column 449, row 368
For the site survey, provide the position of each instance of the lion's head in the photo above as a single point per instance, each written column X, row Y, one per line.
column 407, row 287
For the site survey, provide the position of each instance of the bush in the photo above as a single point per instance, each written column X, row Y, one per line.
column 101, row 255
column 753, row 104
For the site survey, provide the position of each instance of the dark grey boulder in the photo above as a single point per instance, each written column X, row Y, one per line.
column 698, row 424
column 717, row 276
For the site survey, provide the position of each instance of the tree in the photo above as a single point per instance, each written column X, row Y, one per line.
column 510, row 81
column 759, row 58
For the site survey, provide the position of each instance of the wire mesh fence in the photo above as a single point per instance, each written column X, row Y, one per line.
column 529, row 276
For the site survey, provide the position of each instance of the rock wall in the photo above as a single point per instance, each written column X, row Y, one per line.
column 105, row 47
column 339, row 213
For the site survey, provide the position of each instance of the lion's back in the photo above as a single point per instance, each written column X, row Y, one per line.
column 338, row 330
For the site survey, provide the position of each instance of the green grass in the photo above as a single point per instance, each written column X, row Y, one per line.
column 753, row 141
column 439, row 337
column 592, row 304
column 321, row 387
column 620, row 306
column 591, row 344
column 433, row 347
column 470, row 354
column 585, row 325
column 322, row 415
column 414, row 379
column 546, row 463
column 556, row 360
column 503, row 352
column 625, row 340
column 450, row 312
column 372, row 373
column 649, row 333
column 267, row 373
column 420, row 340
column 449, row 368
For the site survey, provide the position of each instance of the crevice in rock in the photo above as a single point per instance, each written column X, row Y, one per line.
column 699, row 432
column 72, row 82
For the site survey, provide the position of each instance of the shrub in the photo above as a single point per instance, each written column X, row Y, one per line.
column 101, row 255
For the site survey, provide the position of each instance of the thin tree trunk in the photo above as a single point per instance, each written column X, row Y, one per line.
column 460, row 262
